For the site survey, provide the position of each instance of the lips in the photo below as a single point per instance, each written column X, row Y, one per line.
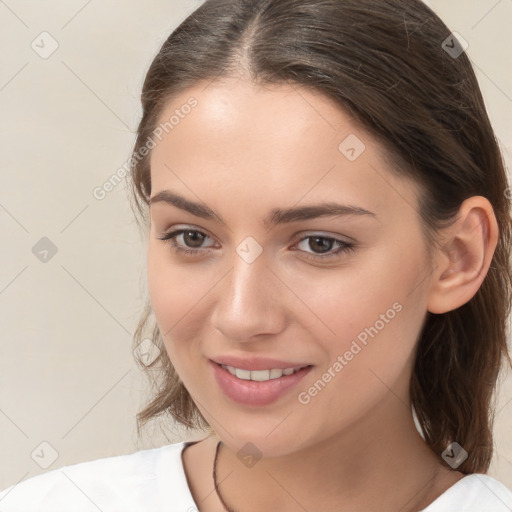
column 253, row 393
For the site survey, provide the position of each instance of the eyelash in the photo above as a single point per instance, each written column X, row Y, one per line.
column 345, row 247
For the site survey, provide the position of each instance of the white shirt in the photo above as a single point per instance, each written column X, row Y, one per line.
column 154, row 481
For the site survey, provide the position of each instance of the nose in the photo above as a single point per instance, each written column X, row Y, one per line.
column 249, row 302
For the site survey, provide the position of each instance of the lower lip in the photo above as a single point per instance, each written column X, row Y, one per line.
column 254, row 393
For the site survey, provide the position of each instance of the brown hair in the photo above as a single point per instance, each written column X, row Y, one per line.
column 393, row 65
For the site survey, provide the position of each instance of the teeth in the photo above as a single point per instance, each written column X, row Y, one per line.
column 243, row 374
column 275, row 374
column 260, row 375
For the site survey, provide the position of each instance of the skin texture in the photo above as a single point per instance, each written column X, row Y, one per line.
column 244, row 150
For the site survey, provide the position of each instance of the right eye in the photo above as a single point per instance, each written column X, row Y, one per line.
column 186, row 240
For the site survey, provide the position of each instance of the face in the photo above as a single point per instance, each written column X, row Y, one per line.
column 264, row 269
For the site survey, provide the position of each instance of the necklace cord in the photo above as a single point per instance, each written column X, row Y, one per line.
column 217, row 490
column 228, row 509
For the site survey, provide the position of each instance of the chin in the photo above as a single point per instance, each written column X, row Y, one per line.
column 259, row 443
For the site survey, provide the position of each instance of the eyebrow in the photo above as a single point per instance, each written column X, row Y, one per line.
column 276, row 215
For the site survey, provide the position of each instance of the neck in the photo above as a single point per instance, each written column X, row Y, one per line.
column 351, row 471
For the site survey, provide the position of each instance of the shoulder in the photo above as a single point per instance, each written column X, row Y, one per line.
column 103, row 484
column 474, row 493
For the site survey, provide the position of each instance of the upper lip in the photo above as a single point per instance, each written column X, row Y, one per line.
column 256, row 363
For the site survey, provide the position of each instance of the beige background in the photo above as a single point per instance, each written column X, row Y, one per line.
column 67, row 374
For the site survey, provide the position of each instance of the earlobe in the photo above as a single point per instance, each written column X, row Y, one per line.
column 464, row 259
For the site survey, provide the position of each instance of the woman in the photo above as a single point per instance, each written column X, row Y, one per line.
column 328, row 268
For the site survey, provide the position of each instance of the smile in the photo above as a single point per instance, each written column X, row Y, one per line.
column 257, row 387
column 260, row 375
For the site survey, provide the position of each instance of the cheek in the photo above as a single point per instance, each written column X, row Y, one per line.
column 367, row 310
column 375, row 328
column 179, row 294
column 163, row 283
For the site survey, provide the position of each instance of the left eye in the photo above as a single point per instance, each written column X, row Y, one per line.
column 322, row 246
column 190, row 241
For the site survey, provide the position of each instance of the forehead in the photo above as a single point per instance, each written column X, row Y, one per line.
column 279, row 143
column 282, row 114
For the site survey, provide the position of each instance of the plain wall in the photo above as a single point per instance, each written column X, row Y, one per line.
column 67, row 372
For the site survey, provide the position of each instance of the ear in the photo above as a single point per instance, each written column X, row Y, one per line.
column 465, row 256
